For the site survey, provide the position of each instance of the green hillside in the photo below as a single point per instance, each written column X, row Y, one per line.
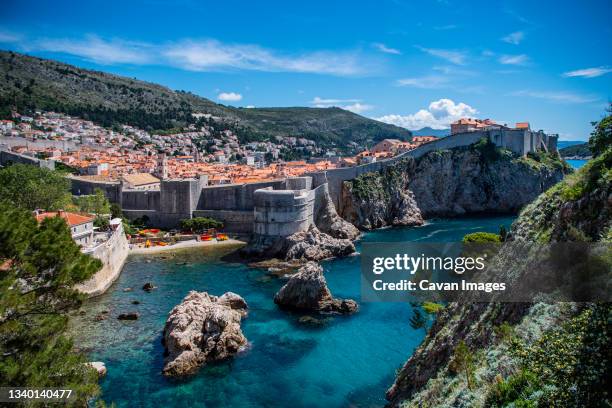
column 581, row 150
column 34, row 83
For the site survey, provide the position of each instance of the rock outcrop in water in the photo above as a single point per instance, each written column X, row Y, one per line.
column 459, row 181
column 307, row 291
column 202, row 329
column 552, row 339
column 311, row 245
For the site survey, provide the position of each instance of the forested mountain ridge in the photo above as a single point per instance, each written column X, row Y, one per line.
column 35, row 83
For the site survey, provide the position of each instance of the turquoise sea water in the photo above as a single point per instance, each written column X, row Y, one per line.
column 576, row 163
column 347, row 361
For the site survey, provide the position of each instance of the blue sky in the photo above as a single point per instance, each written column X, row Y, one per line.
column 412, row 63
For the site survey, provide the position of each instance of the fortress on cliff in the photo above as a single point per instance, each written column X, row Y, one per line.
column 272, row 209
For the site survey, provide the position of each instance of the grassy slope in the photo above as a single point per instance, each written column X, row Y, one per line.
column 581, row 150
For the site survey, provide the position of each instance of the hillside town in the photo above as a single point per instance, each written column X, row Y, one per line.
column 106, row 154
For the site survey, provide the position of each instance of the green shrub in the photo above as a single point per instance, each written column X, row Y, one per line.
column 566, row 367
column 481, row 237
column 199, row 224
column 487, row 149
column 516, row 390
column 432, row 307
column 504, row 332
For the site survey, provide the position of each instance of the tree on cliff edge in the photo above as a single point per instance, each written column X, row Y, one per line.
column 601, row 137
column 39, row 265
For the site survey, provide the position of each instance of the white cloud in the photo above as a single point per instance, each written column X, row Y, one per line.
column 250, row 106
column 454, row 56
column 439, row 115
column 6, row 37
column 453, row 70
column 514, row 38
column 229, row 97
column 353, row 105
column 520, row 59
column 358, row 107
column 212, row 55
column 202, row 55
column 445, row 27
column 98, row 50
column 387, row 50
column 588, row 72
column 554, row 96
column 425, row 82
column 326, row 102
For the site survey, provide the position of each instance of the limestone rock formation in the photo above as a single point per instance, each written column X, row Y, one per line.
column 201, row 329
column 312, row 245
column 376, row 200
column 307, row 291
column 329, row 222
column 447, row 183
column 99, row 366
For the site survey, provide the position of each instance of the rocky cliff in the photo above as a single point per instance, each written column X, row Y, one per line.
column 522, row 354
column 474, row 179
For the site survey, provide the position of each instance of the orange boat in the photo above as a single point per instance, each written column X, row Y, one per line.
column 206, row 237
column 222, row 237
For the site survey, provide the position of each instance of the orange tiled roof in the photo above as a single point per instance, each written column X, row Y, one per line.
column 72, row 219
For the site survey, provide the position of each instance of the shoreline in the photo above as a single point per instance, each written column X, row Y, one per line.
column 183, row 245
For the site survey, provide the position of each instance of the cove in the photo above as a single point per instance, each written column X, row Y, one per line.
column 345, row 361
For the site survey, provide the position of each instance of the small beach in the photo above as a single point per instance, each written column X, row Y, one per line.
column 184, row 245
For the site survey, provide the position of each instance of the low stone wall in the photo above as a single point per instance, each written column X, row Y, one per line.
column 7, row 158
column 64, row 145
column 113, row 254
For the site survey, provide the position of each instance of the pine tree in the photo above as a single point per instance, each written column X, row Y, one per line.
column 463, row 362
column 31, row 187
column 40, row 266
column 418, row 320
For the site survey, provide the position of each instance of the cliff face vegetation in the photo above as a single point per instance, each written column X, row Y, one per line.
column 475, row 179
column 524, row 354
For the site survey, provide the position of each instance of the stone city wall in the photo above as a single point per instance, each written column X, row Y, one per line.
column 113, row 254
column 8, row 158
column 180, row 199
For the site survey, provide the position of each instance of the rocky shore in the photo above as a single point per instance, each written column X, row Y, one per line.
column 307, row 291
column 202, row 329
